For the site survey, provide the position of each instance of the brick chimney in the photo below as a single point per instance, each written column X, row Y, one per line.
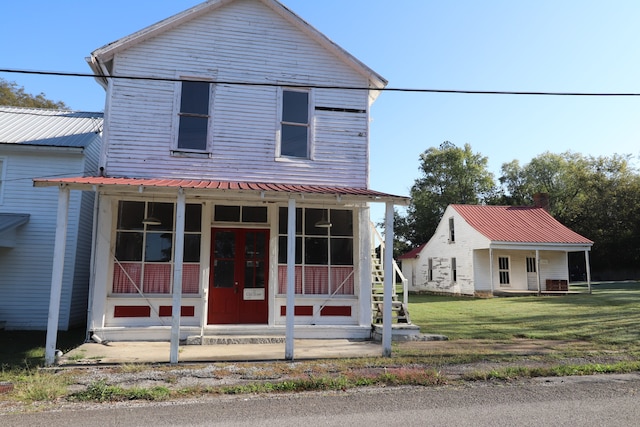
column 541, row 200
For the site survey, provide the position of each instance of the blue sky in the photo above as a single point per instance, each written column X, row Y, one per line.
column 541, row 45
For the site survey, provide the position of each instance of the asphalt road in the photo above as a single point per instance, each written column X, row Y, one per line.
column 600, row 400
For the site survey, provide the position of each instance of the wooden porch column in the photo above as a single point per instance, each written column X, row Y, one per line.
column 588, row 268
column 491, row 269
column 178, row 257
column 389, row 278
column 538, row 271
column 291, row 279
column 59, row 248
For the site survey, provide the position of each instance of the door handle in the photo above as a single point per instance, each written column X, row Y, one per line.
column 235, row 288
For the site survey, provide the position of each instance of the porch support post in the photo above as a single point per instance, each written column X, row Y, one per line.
column 538, row 271
column 291, row 279
column 491, row 269
column 588, row 268
column 178, row 257
column 56, row 275
column 389, row 278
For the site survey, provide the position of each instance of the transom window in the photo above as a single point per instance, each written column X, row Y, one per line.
column 194, row 116
column 242, row 214
column 324, row 254
column 144, row 248
column 294, row 131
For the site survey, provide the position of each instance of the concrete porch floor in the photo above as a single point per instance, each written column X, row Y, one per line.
column 124, row 352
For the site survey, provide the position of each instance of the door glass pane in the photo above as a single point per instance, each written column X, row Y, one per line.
column 223, row 274
column 225, row 245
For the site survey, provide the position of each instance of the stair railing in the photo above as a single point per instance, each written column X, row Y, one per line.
column 378, row 241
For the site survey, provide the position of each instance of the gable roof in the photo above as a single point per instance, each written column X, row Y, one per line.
column 413, row 253
column 518, row 224
column 106, row 53
column 47, row 127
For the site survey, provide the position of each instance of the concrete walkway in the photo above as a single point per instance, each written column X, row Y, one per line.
column 158, row 352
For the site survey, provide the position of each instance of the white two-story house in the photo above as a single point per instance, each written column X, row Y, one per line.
column 234, row 183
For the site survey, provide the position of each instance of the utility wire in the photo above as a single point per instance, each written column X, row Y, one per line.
column 386, row 89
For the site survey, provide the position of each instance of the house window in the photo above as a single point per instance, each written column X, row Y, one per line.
column 294, row 124
column 430, row 271
column 531, row 265
column 324, row 255
column 452, row 233
column 503, row 270
column 144, row 251
column 242, row 214
column 194, row 116
column 454, row 270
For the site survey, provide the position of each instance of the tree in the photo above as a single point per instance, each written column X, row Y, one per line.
column 14, row 95
column 449, row 174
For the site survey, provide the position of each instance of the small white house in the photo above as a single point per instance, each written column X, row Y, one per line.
column 44, row 143
column 486, row 250
column 233, row 193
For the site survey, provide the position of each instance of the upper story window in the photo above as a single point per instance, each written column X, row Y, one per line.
column 194, row 116
column 295, row 124
column 452, row 231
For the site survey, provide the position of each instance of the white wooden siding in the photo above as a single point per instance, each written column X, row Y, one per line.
column 243, row 41
column 25, row 278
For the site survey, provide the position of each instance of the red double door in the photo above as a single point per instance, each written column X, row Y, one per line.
column 238, row 284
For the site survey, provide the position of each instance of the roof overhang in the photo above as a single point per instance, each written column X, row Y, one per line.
column 204, row 188
column 9, row 222
column 533, row 246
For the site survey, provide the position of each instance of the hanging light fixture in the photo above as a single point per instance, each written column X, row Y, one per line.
column 151, row 220
column 324, row 222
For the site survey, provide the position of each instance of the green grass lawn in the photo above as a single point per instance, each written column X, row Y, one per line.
column 609, row 317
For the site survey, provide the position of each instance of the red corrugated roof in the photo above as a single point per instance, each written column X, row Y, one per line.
column 217, row 185
column 519, row 224
column 412, row 253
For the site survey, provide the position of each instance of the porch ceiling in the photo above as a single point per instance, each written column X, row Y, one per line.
column 203, row 187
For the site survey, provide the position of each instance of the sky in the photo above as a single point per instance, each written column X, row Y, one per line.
column 586, row 46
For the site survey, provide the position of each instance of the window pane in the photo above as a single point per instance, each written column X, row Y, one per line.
column 254, row 214
column 191, row 248
column 130, row 215
column 295, row 107
column 192, row 134
column 158, row 247
column 224, row 245
column 227, row 213
column 312, row 216
column 282, row 250
column 162, row 212
column 195, row 98
column 341, row 222
column 341, row 251
column 193, row 217
column 316, row 250
column 129, row 246
column 294, row 141
column 283, row 218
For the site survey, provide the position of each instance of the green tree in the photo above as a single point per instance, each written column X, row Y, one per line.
column 449, row 174
column 13, row 95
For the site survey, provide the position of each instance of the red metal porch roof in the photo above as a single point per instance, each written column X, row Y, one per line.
column 413, row 253
column 217, row 185
column 521, row 224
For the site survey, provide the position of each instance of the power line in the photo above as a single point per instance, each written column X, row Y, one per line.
column 320, row 86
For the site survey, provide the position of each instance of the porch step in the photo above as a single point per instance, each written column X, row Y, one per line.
column 234, row 339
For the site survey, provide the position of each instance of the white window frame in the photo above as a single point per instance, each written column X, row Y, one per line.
column 176, row 150
column 504, row 274
column 310, row 124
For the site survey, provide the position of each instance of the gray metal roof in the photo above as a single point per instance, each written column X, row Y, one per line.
column 9, row 221
column 54, row 128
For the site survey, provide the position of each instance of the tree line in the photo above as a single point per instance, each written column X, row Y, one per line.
column 597, row 197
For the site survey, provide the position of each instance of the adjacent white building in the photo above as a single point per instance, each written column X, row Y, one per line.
column 44, row 143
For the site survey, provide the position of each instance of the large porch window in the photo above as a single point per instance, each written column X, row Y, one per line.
column 145, row 236
column 324, row 254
